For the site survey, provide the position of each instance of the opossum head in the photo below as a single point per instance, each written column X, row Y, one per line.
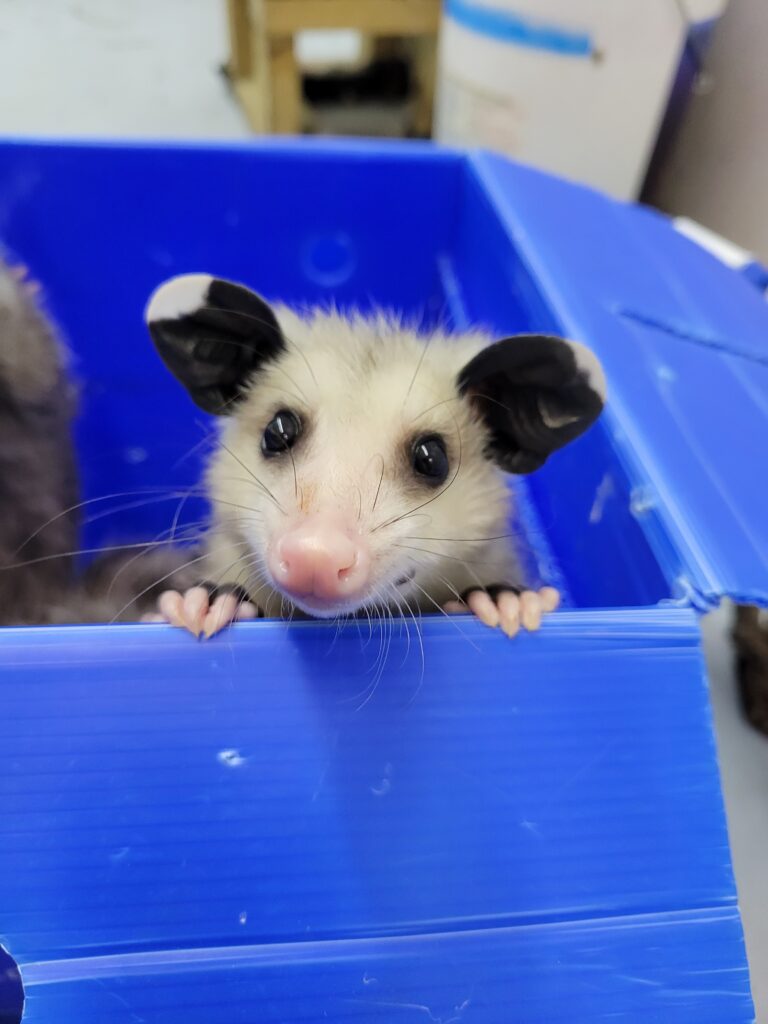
column 359, row 464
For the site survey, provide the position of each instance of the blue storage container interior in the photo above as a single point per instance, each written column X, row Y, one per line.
column 405, row 229
column 244, row 830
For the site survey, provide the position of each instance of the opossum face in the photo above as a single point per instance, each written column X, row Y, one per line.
column 367, row 461
column 359, row 464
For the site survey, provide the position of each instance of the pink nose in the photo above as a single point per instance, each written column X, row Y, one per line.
column 319, row 560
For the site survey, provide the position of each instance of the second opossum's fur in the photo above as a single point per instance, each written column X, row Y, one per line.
column 38, row 479
column 39, row 493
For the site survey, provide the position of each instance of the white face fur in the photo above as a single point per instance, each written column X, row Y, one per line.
column 365, row 395
column 358, row 464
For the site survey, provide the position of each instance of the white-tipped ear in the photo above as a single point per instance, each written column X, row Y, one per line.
column 590, row 366
column 213, row 335
column 535, row 393
column 177, row 297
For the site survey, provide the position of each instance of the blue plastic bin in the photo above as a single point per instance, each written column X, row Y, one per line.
column 246, row 830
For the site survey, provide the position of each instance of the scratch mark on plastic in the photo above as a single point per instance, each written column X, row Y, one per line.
column 684, row 332
column 586, row 769
column 421, row 1008
column 666, row 373
column 383, row 787
column 532, row 827
column 458, row 1011
column 231, row 758
column 453, row 293
column 321, row 781
column 123, row 1002
column 605, row 490
column 634, row 980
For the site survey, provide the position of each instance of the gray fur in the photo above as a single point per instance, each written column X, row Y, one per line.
column 39, row 495
column 124, row 586
column 38, row 479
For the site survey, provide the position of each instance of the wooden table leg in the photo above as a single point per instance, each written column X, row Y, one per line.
column 285, row 87
column 238, row 18
column 248, row 61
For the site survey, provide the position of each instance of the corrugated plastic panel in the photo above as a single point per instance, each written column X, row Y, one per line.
column 515, row 814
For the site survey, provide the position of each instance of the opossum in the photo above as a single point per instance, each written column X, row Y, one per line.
column 360, row 466
column 38, row 477
column 39, row 492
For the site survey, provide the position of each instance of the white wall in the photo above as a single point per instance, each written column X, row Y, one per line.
column 717, row 171
column 115, row 67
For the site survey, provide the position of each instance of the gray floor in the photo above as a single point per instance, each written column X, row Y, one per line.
column 744, row 770
column 151, row 68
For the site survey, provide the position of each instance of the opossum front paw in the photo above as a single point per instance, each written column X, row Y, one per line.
column 200, row 612
column 507, row 607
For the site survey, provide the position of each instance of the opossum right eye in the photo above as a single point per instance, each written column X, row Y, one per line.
column 430, row 459
column 281, row 433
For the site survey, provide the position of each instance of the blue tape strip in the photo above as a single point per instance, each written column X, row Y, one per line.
column 519, row 29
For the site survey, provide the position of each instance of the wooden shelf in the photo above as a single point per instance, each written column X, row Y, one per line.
column 263, row 66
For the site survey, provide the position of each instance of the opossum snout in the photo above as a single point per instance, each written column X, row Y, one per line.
column 320, row 564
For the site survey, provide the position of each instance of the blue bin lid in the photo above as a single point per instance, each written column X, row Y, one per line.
column 684, row 341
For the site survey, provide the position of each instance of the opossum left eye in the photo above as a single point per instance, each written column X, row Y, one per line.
column 429, row 458
column 281, row 433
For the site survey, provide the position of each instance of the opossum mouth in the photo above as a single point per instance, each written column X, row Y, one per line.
column 318, row 608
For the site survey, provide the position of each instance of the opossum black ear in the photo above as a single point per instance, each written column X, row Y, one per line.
column 535, row 393
column 213, row 335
